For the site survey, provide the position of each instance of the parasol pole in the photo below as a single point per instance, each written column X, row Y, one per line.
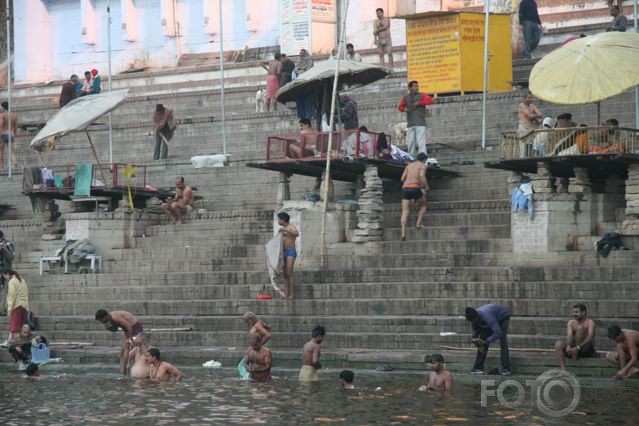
column 323, row 259
column 96, row 157
column 9, row 85
column 222, row 77
column 110, row 78
column 599, row 113
column 483, row 99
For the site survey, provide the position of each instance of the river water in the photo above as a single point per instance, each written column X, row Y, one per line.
column 86, row 394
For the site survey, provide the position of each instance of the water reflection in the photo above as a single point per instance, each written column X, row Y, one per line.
column 94, row 395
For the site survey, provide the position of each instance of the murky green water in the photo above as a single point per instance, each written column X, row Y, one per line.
column 96, row 395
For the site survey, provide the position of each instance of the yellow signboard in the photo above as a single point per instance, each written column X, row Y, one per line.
column 445, row 52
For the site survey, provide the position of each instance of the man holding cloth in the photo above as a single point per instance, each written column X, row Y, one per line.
column 489, row 323
column 164, row 125
column 414, row 104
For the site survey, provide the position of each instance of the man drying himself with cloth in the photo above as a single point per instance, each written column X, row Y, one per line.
column 311, row 356
column 274, row 71
column 289, row 254
column 121, row 320
column 164, row 126
column 489, row 324
column 415, row 183
column 258, row 360
column 181, row 204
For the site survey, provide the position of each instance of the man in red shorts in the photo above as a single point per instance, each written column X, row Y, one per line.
column 121, row 320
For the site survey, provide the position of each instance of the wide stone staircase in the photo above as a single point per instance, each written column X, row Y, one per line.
column 381, row 302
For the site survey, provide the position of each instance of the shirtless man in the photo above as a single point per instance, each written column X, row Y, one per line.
column 311, row 356
column 289, row 234
column 257, row 327
column 161, row 371
column 347, row 377
column 5, row 120
column 258, row 360
column 415, row 183
column 528, row 114
column 125, row 321
column 308, row 141
column 382, row 35
column 626, row 355
column 139, row 366
column 274, row 71
column 181, row 204
column 580, row 338
column 440, row 380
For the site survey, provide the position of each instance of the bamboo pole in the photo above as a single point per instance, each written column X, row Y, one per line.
column 96, row 157
column 323, row 257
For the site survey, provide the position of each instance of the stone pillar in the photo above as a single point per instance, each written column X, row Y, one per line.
column 283, row 188
column 370, row 212
column 630, row 224
column 581, row 182
column 562, row 185
column 331, row 189
column 543, row 180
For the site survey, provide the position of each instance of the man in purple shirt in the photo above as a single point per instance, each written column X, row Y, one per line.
column 489, row 323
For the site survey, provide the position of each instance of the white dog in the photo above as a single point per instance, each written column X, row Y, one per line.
column 399, row 132
column 260, row 100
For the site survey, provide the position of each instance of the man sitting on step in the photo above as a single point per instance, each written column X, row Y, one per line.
column 121, row 320
column 181, row 204
column 580, row 341
column 627, row 352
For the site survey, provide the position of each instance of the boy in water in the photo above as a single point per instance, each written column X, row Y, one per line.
column 289, row 234
column 311, row 356
column 139, row 366
column 32, row 370
column 347, row 377
column 161, row 371
column 440, row 379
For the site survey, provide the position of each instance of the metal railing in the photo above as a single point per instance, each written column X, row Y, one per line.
column 314, row 146
column 569, row 141
column 62, row 178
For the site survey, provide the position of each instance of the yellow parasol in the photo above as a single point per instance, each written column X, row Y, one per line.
column 588, row 70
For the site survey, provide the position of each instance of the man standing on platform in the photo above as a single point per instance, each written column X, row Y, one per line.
column 489, row 323
column 164, row 126
column 414, row 104
column 382, row 35
column 288, row 67
column 69, row 91
column 531, row 25
column 274, row 70
column 6, row 137
column 528, row 114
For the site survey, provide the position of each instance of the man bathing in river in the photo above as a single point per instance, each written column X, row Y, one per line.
column 580, row 338
column 257, row 327
column 161, row 371
column 258, row 360
column 289, row 234
column 139, row 366
column 439, row 379
column 627, row 350
column 125, row 321
column 311, row 356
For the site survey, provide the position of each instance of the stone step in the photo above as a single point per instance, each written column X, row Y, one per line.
column 586, row 292
column 549, row 326
column 623, row 308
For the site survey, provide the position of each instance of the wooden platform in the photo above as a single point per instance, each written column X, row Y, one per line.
column 599, row 166
column 344, row 170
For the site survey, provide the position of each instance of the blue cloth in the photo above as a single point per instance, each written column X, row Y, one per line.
column 78, row 88
column 489, row 317
column 96, row 87
column 528, row 12
column 83, row 180
column 289, row 253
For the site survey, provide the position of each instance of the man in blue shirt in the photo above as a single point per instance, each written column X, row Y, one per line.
column 531, row 25
column 489, row 323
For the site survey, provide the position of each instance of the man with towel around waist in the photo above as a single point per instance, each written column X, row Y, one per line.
column 274, row 70
column 311, row 356
column 164, row 126
column 121, row 320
